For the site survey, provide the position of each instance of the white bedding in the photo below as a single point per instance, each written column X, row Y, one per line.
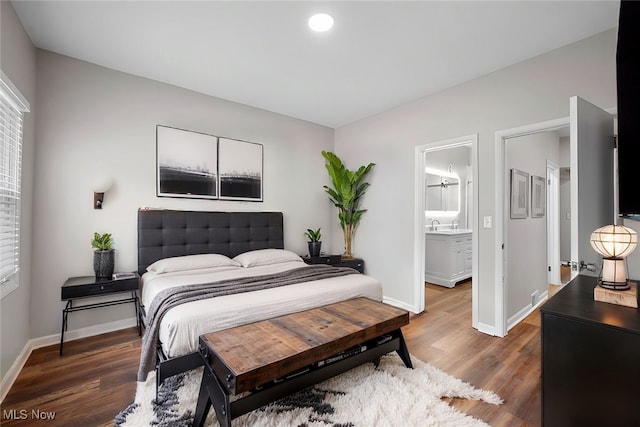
column 182, row 325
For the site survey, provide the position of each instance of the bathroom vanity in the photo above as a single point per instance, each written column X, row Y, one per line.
column 448, row 256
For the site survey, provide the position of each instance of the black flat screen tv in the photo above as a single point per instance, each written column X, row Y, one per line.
column 628, row 85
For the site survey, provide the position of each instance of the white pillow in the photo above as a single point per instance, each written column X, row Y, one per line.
column 191, row 262
column 266, row 257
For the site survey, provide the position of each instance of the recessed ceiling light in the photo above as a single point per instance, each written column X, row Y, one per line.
column 321, row 22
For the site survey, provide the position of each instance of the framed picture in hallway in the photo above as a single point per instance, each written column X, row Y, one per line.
column 538, row 197
column 519, row 194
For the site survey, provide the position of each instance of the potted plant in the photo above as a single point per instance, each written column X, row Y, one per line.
column 103, row 256
column 348, row 189
column 314, row 242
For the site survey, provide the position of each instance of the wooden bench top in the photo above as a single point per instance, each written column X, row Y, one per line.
column 251, row 355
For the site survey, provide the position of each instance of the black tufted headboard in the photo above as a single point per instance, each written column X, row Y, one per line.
column 169, row 233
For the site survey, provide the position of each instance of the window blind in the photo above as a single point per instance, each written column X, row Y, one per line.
column 12, row 107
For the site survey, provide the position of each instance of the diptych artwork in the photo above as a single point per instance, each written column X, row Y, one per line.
column 201, row 166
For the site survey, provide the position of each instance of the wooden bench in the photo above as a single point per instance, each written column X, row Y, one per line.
column 276, row 357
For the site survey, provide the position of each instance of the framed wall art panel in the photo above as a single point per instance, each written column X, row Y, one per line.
column 240, row 169
column 538, row 197
column 519, row 194
column 186, row 164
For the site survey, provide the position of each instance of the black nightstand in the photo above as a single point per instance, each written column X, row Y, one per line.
column 337, row 261
column 88, row 286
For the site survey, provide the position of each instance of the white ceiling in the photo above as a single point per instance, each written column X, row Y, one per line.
column 378, row 55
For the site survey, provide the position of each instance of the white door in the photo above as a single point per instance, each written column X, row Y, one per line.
column 591, row 152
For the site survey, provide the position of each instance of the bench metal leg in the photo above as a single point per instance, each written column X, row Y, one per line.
column 403, row 352
column 204, row 403
column 212, row 394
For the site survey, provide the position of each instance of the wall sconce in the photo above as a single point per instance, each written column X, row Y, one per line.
column 98, row 192
column 614, row 243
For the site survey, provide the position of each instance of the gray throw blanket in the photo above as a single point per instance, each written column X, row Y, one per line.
column 175, row 296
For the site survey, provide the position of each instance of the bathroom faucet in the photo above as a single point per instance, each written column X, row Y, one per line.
column 433, row 226
column 454, row 224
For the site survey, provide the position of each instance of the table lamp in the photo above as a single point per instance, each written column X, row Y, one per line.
column 614, row 243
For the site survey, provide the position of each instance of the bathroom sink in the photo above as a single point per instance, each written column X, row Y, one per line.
column 450, row 231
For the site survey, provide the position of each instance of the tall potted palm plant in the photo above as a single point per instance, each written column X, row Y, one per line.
column 348, row 189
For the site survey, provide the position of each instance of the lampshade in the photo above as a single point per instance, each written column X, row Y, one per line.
column 614, row 241
column 102, row 184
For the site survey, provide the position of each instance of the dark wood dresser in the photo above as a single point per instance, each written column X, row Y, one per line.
column 590, row 360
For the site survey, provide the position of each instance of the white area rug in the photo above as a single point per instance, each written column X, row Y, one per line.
column 387, row 395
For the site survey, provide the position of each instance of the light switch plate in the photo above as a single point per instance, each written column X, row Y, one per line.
column 487, row 222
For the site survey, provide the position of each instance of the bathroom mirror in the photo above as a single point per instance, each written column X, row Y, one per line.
column 442, row 192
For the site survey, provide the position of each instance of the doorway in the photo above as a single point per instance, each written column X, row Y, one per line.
column 506, row 316
column 591, row 201
column 532, row 259
column 470, row 174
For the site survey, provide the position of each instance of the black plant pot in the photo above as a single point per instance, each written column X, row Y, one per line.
column 103, row 263
column 314, row 249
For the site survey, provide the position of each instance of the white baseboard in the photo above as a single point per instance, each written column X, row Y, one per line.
column 519, row 316
column 35, row 343
column 513, row 320
column 14, row 370
column 525, row 311
column 399, row 304
column 89, row 331
column 487, row 329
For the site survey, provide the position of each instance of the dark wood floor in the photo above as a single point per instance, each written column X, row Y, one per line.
column 88, row 386
column 509, row 366
column 96, row 378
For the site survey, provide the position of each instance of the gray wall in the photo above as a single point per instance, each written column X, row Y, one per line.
column 94, row 121
column 532, row 91
column 526, row 248
column 18, row 61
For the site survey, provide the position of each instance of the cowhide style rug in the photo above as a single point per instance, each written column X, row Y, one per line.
column 388, row 394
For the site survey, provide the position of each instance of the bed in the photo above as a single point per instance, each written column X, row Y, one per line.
column 181, row 249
